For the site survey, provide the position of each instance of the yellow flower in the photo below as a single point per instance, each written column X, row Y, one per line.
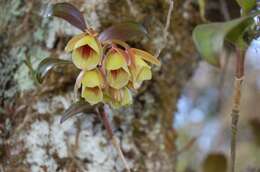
column 92, row 83
column 139, row 69
column 117, row 70
column 118, row 97
column 86, row 51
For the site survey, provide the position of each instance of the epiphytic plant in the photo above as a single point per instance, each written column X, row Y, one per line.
column 109, row 67
column 210, row 40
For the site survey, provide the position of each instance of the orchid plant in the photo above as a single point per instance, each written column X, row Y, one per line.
column 110, row 69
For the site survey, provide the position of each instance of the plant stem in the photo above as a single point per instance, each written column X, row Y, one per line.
column 104, row 117
column 239, row 77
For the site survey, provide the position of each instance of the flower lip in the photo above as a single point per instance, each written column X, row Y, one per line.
column 85, row 58
column 86, row 51
column 92, row 95
column 118, row 78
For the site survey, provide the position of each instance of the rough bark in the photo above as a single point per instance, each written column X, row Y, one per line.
column 32, row 138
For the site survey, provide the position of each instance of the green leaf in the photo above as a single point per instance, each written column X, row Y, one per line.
column 209, row 38
column 46, row 65
column 215, row 162
column 69, row 13
column 246, row 5
column 123, row 31
column 75, row 108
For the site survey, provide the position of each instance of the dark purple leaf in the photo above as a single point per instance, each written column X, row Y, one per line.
column 123, row 31
column 74, row 109
column 69, row 13
column 46, row 65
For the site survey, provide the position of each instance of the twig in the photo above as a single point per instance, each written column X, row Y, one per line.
column 166, row 28
column 236, row 105
column 104, row 116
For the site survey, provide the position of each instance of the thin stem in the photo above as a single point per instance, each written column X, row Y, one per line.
column 104, row 117
column 236, row 105
column 166, row 28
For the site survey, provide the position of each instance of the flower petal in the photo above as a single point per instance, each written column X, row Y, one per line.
column 92, row 95
column 127, row 97
column 140, row 72
column 115, row 60
column 118, row 78
column 71, row 44
column 92, row 78
column 146, row 56
column 90, row 41
column 85, row 58
column 144, row 74
column 140, row 62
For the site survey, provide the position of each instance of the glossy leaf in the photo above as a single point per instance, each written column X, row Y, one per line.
column 46, row 65
column 246, row 5
column 209, row 38
column 215, row 162
column 123, row 31
column 69, row 13
column 75, row 108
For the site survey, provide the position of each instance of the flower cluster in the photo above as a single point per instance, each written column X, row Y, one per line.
column 109, row 69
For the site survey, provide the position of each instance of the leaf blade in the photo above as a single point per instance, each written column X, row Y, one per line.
column 123, row 31
column 246, row 5
column 209, row 38
column 75, row 108
column 46, row 65
column 69, row 13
